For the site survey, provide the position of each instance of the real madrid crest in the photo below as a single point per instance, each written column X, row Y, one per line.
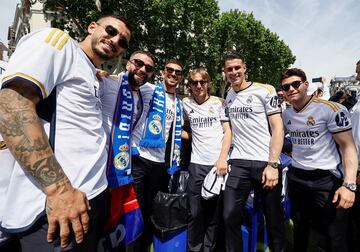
column 310, row 121
column 249, row 99
column 155, row 126
column 211, row 110
column 121, row 160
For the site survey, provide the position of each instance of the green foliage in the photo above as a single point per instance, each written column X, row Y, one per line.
column 265, row 54
column 192, row 31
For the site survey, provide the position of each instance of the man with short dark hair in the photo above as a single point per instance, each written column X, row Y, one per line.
column 150, row 171
column 67, row 178
column 253, row 108
column 320, row 190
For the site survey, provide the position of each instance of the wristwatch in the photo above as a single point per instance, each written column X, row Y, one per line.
column 350, row 185
column 275, row 165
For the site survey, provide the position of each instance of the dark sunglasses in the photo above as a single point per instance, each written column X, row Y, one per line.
column 196, row 82
column 294, row 84
column 112, row 31
column 139, row 64
column 170, row 70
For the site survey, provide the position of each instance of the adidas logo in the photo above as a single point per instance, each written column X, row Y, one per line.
column 191, row 111
column 229, row 101
column 289, row 122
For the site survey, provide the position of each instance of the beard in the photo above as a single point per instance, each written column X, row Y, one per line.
column 102, row 55
column 135, row 83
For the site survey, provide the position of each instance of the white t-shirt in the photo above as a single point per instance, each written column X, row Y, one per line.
column 355, row 122
column 311, row 131
column 153, row 154
column 207, row 131
column 45, row 59
column 248, row 111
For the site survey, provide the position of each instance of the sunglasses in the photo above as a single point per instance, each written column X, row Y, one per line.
column 294, row 84
column 139, row 64
column 170, row 70
column 112, row 31
column 196, row 82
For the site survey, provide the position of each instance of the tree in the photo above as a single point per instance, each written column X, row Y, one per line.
column 192, row 31
column 265, row 54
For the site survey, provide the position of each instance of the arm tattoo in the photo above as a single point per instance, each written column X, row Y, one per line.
column 21, row 129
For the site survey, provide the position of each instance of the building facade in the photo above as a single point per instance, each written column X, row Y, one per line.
column 29, row 16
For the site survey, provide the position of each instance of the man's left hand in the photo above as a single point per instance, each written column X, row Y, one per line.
column 270, row 177
column 344, row 197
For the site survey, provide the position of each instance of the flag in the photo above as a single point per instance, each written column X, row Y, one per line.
column 125, row 223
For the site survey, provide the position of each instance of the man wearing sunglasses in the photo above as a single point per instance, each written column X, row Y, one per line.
column 254, row 160
column 320, row 190
column 149, row 168
column 211, row 140
column 140, row 69
column 58, row 198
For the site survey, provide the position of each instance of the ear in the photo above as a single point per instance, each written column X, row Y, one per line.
column 162, row 73
column 91, row 28
column 306, row 83
column 127, row 67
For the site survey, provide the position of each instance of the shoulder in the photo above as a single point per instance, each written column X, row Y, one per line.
column 328, row 105
column 230, row 95
column 186, row 100
column 53, row 38
column 147, row 88
column 217, row 100
column 265, row 87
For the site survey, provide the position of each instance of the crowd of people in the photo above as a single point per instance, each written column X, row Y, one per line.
column 76, row 134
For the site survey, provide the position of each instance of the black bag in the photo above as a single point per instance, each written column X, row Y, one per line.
column 171, row 210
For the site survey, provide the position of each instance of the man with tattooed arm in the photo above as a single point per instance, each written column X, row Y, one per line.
column 57, row 193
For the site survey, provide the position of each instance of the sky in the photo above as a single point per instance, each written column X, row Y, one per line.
column 324, row 35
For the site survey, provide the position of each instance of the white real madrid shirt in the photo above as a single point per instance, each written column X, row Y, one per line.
column 207, row 131
column 248, row 111
column 45, row 59
column 153, row 154
column 311, row 131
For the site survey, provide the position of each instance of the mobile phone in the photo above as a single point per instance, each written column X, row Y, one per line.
column 316, row 79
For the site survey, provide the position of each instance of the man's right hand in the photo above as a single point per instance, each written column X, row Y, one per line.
column 66, row 207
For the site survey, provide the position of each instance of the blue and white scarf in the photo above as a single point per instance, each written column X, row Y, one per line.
column 154, row 132
column 118, row 169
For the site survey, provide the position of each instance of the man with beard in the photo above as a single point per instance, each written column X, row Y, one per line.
column 139, row 70
column 122, row 106
column 161, row 112
column 57, row 195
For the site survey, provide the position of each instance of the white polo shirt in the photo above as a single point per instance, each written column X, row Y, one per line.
column 46, row 59
column 248, row 111
column 207, row 132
